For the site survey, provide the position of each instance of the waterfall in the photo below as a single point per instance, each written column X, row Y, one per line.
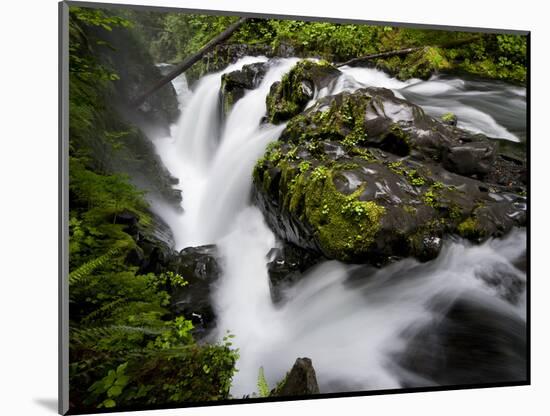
column 354, row 322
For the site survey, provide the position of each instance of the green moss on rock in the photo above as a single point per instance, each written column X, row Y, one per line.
column 343, row 225
column 469, row 228
column 449, row 118
column 340, row 119
column 289, row 97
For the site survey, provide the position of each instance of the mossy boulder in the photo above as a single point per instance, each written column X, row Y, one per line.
column 375, row 117
column 235, row 84
column 290, row 96
column 362, row 177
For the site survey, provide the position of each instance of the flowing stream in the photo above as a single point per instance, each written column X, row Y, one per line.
column 363, row 328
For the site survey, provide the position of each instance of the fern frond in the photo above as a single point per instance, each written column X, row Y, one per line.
column 92, row 335
column 104, row 310
column 263, row 387
column 81, row 274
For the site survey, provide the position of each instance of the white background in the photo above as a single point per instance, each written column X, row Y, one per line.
column 28, row 204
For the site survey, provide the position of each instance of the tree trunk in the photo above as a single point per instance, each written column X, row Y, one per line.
column 190, row 60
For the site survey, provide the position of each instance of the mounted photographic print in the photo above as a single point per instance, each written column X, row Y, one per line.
column 266, row 208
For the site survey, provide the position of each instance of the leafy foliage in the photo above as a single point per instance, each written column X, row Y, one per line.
column 126, row 348
column 86, row 269
column 501, row 56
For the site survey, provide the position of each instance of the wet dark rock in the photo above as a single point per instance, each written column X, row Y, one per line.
column 300, row 381
column 161, row 231
column 136, row 157
column 151, row 255
column 199, row 266
column 223, row 55
column 154, row 242
column 507, row 281
column 129, row 220
column 236, row 83
column 470, row 159
column 469, row 343
column 286, row 266
column 369, row 177
column 286, row 50
column 510, row 167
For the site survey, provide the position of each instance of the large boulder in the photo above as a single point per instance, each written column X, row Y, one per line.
column 469, row 342
column 236, row 83
column 368, row 177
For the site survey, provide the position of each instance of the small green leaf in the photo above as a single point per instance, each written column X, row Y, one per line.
column 109, row 403
column 122, row 381
column 114, row 391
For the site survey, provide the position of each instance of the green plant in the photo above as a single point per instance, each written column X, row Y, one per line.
column 414, row 178
column 304, row 166
column 263, row 387
column 126, row 348
column 110, row 386
column 86, row 269
column 448, row 117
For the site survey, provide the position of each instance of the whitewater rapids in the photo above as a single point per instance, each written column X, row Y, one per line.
column 357, row 324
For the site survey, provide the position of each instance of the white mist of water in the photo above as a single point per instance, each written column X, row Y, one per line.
column 350, row 328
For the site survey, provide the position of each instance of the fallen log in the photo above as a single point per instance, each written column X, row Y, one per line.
column 406, row 51
column 190, row 60
column 380, row 55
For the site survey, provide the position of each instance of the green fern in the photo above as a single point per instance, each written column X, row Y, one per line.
column 106, row 309
column 91, row 335
column 281, row 383
column 263, row 387
column 83, row 273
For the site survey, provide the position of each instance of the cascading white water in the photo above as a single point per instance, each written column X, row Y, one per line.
column 440, row 95
column 350, row 320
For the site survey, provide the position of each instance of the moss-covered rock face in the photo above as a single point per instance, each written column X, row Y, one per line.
column 290, row 96
column 362, row 177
